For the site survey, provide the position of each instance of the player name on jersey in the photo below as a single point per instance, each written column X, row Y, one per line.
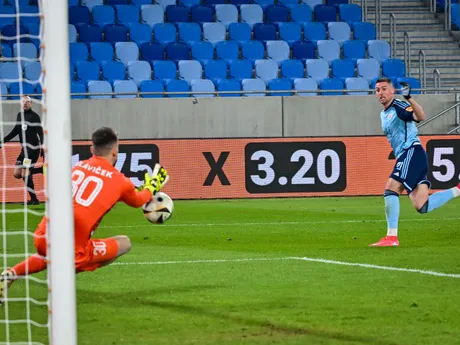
column 96, row 170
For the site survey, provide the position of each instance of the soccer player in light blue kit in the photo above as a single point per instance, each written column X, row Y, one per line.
column 399, row 120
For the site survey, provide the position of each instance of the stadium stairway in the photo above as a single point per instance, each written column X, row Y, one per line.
column 426, row 31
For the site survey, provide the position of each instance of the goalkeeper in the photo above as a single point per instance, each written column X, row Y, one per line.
column 410, row 171
column 97, row 187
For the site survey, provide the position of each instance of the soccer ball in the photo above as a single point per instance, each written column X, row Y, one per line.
column 159, row 209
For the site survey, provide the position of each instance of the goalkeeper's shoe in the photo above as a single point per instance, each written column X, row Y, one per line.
column 388, row 241
column 6, row 279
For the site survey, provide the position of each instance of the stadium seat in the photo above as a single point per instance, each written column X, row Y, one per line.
column 115, row 33
column 140, row 33
column 88, row 70
column 314, row 32
column 413, row 82
column 455, row 16
column 251, row 14
column 101, row 52
column 229, row 85
column 357, row 84
column 127, row 14
column 90, row 3
column 215, row 70
column 364, row 31
column 276, row 14
column 113, row 70
column 151, row 86
column 10, row 33
column 240, row 2
column 325, row 13
column 313, row 3
column 214, row 32
column 339, row 31
column 190, row 70
column 103, row 15
column 252, row 51
column 164, row 70
column 266, row 70
column 354, row 50
column 350, row 13
column 305, row 84
column 265, row 32
column 29, row 15
column 165, row 3
column 202, row 14
column 139, row 71
column 76, row 87
column 25, row 51
column 164, row 33
column 203, row 52
column 290, row 32
column 277, row 51
column 15, row 89
column 177, row 51
column 254, row 85
column 177, row 14
column 38, row 91
column 126, row 52
column 331, row 84
column 9, row 18
column 72, row 34
column 301, row 13
column 288, row 3
column 336, row 3
column 89, row 33
column 379, row 50
column 6, row 50
column 140, row 3
column 317, row 69
column 79, row 15
column 328, row 50
column 241, row 69
column 202, row 85
column 177, row 86
column 393, row 68
column 78, row 52
column 189, row 3
column 117, row 2
column 343, row 69
column 189, row 33
column 3, row 90
column 303, row 50
column 152, row 14
column 214, row 2
column 368, row 69
column 227, row 51
column 239, row 32
column 291, row 69
column 264, row 3
column 32, row 71
column 121, row 86
column 226, row 14
column 99, row 86
column 280, row 85
column 152, row 51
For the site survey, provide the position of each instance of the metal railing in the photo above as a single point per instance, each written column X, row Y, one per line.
column 437, row 78
column 392, row 35
column 445, row 111
column 378, row 18
column 407, row 53
column 364, row 9
column 422, row 68
column 447, row 15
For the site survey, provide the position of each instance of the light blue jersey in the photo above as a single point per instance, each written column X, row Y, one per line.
column 398, row 124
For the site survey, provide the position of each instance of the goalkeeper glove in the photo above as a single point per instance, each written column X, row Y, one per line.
column 405, row 90
column 155, row 182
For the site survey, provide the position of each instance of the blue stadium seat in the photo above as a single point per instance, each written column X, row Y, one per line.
column 90, row 3
column 354, row 50
column 177, row 51
column 10, row 19
column 264, row 3
column 350, row 13
column 126, row 52
column 455, row 16
column 277, row 51
column 301, row 13
column 115, row 33
column 413, row 82
column 343, row 69
column 280, row 85
column 393, row 68
column 101, row 52
column 127, row 14
column 229, row 85
column 203, row 52
column 88, row 70
column 266, row 70
column 189, row 3
column 276, row 14
column 291, row 69
column 364, row 31
column 139, row 71
column 117, row 2
column 240, row 2
column 78, row 52
column 38, row 91
column 3, row 90
column 314, row 32
column 121, row 86
column 336, row 3
column 226, row 14
column 202, row 85
column 254, row 85
column 26, row 19
column 113, row 70
column 240, row 69
column 103, row 15
column 190, row 70
column 165, row 33
column 368, row 68
column 177, row 86
column 305, row 84
column 303, row 50
column 313, row 3
column 152, row 51
column 379, row 50
column 25, row 51
column 152, row 14
column 177, row 14
column 252, row 51
column 251, row 14
column 325, row 13
column 239, row 32
column 76, row 87
column 6, row 50
column 10, row 32
column 214, row 32
column 99, row 86
column 288, row 3
column 357, row 84
column 215, row 70
column 164, row 70
column 140, row 3
column 152, row 86
column 290, row 32
column 32, row 71
column 15, row 89
column 317, row 69
column 140, row 33
column 202, row 14
column 331, row 84
column 89, row 33
column 214, row 2
column 189, row 33
column 265, row 32
column 72, row 34
column 79, row 15
column 165, row 3
column 228, row 51
column 339, row 31
column 34, row 30
column 329, row 50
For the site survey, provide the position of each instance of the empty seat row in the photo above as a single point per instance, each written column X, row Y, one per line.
column 28, row 34
column 11, row 72
column 8, row 15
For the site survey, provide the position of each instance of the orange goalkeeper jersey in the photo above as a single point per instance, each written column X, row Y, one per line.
column 96, row 187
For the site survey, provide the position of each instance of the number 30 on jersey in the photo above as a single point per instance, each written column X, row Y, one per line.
column 85, row 189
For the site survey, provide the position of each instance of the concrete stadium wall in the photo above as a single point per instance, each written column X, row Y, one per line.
column 239, row 117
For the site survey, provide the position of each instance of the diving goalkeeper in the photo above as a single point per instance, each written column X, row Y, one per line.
column 97, row 187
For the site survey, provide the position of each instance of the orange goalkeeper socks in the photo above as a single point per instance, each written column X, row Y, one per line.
column 34, row 264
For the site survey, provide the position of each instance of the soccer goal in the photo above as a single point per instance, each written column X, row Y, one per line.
column 34, row 62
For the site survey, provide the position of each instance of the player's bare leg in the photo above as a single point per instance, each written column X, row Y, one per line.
column 424, row 203
column 124, row 246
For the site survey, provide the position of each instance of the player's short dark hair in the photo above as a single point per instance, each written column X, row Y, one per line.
column 384, row 80
column 103, row 140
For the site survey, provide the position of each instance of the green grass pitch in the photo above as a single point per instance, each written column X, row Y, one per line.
column 228, row 272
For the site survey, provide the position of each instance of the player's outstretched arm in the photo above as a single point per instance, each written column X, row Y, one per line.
column 419, row 113
column 134, row 198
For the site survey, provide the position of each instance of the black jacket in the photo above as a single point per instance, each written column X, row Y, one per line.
column 30, row 129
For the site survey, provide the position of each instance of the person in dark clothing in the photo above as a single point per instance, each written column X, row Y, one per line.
column 30, row 131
